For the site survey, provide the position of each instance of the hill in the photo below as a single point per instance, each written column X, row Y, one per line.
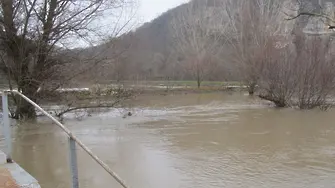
column 148, row 53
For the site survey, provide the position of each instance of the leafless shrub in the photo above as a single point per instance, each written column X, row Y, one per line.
column 277, row 80
column 316, row 72
column 304, row 78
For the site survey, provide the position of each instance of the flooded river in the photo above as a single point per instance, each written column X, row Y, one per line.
column 188, row 141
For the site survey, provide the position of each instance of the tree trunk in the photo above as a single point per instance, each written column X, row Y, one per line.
column 251, row 88
column 280, row 103
column 199, row 82
column 25, row 110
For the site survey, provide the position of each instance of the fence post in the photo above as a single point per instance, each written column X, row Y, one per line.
column 6, row 126
column 73, row 163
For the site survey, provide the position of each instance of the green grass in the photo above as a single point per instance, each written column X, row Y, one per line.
column 193, row 83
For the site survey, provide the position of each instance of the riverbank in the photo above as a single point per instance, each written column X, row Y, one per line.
column 190, row 90
column 115, row 96
column 111, row 92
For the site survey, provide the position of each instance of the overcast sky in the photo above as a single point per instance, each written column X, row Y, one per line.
column 150, row 9
column 146, row 11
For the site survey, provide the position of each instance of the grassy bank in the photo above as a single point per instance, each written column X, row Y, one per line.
column 106, row 92
column 191, row 83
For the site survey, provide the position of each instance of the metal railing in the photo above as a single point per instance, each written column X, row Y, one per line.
column 73, row 141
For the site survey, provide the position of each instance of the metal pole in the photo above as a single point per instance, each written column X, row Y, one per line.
column 6, row 127
column 73, row 163
column 82, row 145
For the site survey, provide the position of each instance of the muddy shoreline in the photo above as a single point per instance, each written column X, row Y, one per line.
column 181, row 91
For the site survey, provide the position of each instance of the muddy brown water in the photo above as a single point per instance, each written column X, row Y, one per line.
column 188, row 141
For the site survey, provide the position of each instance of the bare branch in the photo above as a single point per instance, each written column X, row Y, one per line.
column 32, row 38
column 71, row 109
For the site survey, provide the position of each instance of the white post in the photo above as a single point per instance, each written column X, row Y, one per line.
column 6, row 126
column 73, row 163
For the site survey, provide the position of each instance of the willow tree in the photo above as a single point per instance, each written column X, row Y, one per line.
column 34, row 34
column 196, row 30
column 253, row 24
column 301, row 68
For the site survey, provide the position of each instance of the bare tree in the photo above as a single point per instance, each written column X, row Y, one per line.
column 304, row 78
column 196, row 37
column 253, row 23
column 316, row 76
column 278, row 79
column 33, row 36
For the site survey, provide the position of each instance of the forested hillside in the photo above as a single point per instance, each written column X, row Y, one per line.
column 151, row 52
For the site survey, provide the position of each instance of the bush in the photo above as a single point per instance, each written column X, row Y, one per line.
column 304, row 77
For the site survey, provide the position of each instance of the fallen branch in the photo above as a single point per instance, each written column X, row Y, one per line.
column 314, row 15
column 279, row 103
column 70, row 109
column 120, row 95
